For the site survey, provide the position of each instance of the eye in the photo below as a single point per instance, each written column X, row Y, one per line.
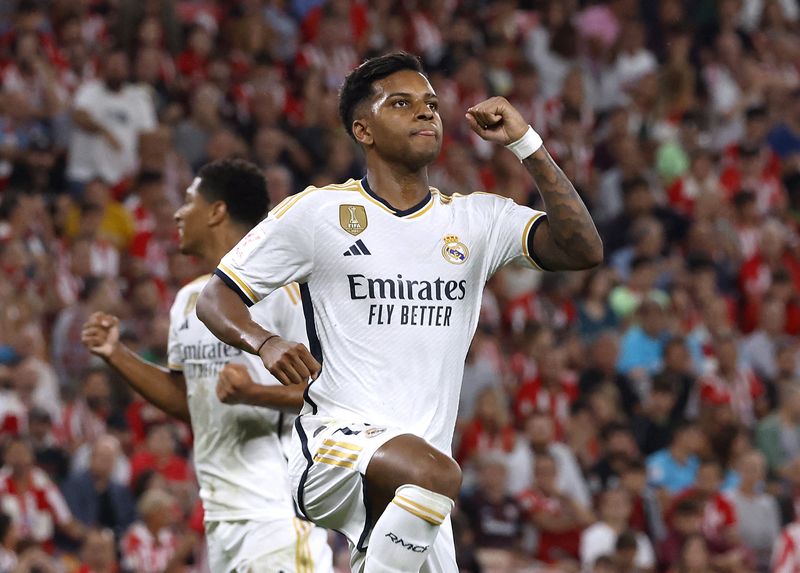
column 433, row 106
column 400, row 103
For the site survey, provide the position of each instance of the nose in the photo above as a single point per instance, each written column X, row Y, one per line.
column 424, row 112
column 177, row 215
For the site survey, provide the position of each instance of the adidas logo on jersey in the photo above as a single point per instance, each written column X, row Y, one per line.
column 358, row 248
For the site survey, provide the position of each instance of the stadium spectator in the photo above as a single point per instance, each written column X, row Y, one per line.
column 110, row 115
column 98, row 553
column 494, row 516
column 150, row 545
column 558, row 517
column 674, row 468
column 778, row 435
column 84, row 419
column 757, row 512
column 490, row 429
column 601, row 538
column 33, row 501
column 539, row 438
column 94, row 497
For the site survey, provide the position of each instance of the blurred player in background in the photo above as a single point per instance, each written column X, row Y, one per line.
column 250, row 518
column 392, row 274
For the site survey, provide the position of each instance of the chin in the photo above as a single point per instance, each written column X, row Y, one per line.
column 418, row 158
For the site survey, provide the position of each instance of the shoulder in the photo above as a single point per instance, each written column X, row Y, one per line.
column 477, row 199
column 314, row 198
column 189, row 293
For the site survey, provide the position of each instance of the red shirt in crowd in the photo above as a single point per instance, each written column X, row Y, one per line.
column 36, row 511
column 552, row 546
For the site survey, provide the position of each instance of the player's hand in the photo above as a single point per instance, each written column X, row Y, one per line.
column 234, row 384
column 100, row 334
column 289, row 362
column 497, row 120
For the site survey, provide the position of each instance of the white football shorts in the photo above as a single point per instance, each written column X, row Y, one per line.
column 328, row 460
column 249, row 547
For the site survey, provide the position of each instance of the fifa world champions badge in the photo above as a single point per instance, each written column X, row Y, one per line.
column 353, row 218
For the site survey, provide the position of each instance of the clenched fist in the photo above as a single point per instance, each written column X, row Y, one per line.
column 234, row 384
column 290, row 362
column 497, row 120
column 100, row 334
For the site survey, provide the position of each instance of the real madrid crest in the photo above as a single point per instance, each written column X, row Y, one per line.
column 353, row 218
column 454, row 251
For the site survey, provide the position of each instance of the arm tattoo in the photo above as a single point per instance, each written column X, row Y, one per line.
column 571, row 240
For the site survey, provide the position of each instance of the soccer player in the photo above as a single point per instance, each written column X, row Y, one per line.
column 391, row 273
column 250, row 518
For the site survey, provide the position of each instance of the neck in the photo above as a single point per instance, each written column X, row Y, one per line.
column 617, row 526
column 679, row 454
column 152, row 526
column 747, row 488
column 221, row 240
column 400, row 187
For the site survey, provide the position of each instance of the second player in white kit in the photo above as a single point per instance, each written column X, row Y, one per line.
column 239, row 450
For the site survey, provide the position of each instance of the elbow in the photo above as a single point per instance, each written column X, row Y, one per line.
column 591, row 257
column 595, row 257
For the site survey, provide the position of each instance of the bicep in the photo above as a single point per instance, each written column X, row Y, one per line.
column 552, row 257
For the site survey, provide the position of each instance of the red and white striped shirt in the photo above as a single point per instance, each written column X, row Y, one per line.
column 36, row 511
column 741, row 392
column 145, row 553
column 786, row 551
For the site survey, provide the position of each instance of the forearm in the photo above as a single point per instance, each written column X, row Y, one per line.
column 568, row 239
column 284, row 398
column 83, row 120
column 164, row 389
column 228, row 318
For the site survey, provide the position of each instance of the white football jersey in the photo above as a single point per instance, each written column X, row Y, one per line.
column 391, row 298
column 238, row 450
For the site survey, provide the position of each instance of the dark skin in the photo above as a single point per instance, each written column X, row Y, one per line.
column 206, row 231
column 400, row 130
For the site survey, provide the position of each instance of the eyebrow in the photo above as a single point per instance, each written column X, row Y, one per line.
column 405, row 94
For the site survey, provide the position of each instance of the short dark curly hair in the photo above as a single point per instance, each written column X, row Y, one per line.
column 240, row 185
column 357, row 85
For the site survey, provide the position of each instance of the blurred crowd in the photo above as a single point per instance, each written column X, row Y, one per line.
column 642, row 417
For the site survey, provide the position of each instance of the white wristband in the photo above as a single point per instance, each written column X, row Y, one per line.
column 526, row 145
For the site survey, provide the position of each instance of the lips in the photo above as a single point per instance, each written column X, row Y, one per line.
column 425, row 132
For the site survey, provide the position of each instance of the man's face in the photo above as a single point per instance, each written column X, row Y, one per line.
column 97, row 392
column 191, row 220
column 19, row 458
column 116, row 71
column 401, row 120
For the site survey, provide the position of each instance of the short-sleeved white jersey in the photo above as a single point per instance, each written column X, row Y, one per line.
column 391, row 298
column 238, row 450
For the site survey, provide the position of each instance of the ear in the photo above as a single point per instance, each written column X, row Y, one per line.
column 218, row 213
column 362, row 132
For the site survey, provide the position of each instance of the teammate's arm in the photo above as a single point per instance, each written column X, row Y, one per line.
column 567, row 239
column 161, row 387
column 235, row 386
column 226, row 316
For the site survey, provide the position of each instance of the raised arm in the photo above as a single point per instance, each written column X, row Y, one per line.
column 227, row 317
column 568, row 238
column 161, row 387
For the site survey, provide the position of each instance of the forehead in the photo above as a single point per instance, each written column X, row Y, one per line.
column 404, row 81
